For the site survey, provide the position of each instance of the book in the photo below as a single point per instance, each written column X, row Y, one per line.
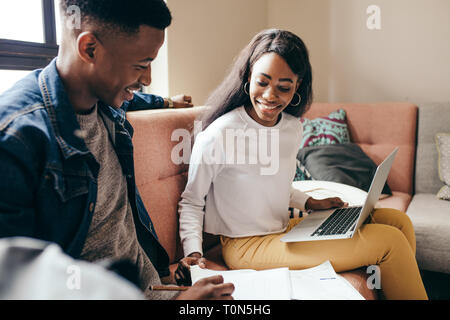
column 317, row 283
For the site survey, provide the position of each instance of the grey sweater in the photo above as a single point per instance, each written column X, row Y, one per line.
column 112, row 234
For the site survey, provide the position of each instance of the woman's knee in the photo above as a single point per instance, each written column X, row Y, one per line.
column 383, row 239
column 392, row 217
column 395, row 242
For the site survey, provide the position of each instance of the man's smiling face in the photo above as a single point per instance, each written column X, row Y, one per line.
column 123, row 64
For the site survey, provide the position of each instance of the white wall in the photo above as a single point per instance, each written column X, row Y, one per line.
column 310, row 20
column 160, row 73
column 407, row 60
column 203, row 39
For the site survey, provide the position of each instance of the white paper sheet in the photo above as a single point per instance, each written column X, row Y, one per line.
column 321, row 283
column 318, row 283
column 273, row 284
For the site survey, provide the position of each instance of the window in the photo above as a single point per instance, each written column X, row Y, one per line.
column 12, row 26
column 9, row 77
column 27, row 37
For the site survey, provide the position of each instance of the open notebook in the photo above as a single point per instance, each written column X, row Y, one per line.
column 318, row 283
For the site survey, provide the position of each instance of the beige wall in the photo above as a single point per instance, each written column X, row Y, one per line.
column 160, row 73
column 204, row 38
column 407, row 60
column 310, row 20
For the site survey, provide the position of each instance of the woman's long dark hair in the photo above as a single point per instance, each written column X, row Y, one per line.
column 230, row 93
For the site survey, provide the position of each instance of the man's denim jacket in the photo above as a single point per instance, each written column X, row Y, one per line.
column 48, row 177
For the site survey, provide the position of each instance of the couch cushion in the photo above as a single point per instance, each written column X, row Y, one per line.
column 398, row 200
column 433, row 118
column 431, row 220
column 160, row 181
column 443, row 146
column 358, row 279
column 378, row 128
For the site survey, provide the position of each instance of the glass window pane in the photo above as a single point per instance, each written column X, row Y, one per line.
column 58, row 22
column 21, row 20
column 9, row 77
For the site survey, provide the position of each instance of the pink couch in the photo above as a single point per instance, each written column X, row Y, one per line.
column 161, row 182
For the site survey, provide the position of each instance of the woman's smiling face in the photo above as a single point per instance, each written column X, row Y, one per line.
column 272, row 88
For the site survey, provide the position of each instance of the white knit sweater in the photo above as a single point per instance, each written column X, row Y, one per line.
column 240, row 177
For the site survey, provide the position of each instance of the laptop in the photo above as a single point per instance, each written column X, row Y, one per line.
column 341, row 223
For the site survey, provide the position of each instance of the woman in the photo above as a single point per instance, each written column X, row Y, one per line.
column 266, row 92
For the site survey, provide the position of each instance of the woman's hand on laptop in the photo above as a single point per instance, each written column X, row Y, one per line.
column 323, row 204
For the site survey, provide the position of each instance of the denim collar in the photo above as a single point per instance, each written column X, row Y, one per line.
column 62, row 116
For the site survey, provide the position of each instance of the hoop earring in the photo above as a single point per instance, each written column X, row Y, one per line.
column 246, row 91
column 299, row 100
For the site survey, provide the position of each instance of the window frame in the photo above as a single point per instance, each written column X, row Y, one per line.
column 25, row 55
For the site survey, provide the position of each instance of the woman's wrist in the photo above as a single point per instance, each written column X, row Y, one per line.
column 195, row 255
column 168, row 103
column 309, row 203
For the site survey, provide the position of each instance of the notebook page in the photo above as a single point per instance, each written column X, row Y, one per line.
column 273, row 284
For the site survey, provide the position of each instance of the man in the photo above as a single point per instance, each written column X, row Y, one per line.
column 66, row 161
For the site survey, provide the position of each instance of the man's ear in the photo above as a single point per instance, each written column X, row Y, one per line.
column 87, row 45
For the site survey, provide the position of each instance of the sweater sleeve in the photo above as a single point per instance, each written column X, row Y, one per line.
column 202, row 171
column 298, row 199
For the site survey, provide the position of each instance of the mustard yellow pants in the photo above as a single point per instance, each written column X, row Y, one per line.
column 388, row 241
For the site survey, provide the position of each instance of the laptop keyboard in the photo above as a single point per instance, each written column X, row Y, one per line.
column 340, row 221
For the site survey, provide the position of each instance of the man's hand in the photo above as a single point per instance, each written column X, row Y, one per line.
column 182, row 274
column 211, row 288
column 328, row 203
column 182, row 101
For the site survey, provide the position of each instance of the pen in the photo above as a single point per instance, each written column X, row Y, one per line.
column 169, row 288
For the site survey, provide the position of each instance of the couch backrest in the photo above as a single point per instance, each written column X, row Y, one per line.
column 433, row 118
column 160, row 181
column 378, row 128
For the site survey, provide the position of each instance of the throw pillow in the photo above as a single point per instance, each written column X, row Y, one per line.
column 325, row 130
column 343, row 163
column 301, row 173
column 319, row 131
column 443, row 147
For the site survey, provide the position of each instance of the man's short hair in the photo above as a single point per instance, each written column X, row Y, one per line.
column 121, row 15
